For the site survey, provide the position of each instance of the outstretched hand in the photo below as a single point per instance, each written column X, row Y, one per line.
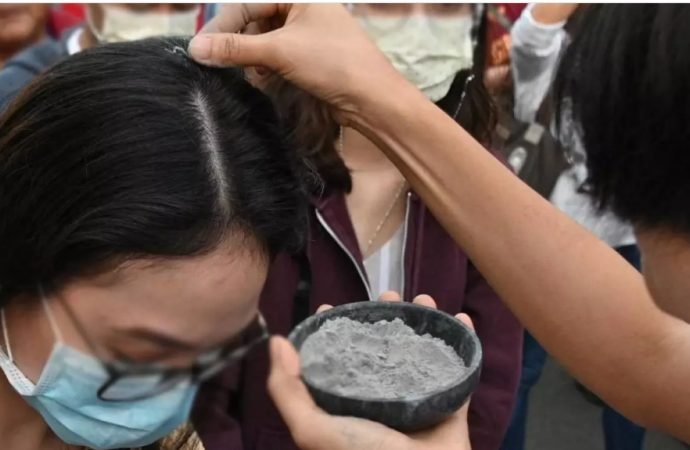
column 318, row 47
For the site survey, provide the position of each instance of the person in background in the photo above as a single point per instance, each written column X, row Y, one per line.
column 143, row 198
column 500, row 19
column 112, row 22
column 370, row 233
column 538, row 39
column 63, row 17
column 21, row 25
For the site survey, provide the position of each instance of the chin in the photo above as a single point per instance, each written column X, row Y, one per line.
column 681, row 312
column 671, row 297
column 666, row 269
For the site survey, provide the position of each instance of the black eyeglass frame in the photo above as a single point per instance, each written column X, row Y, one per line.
column 200, row 371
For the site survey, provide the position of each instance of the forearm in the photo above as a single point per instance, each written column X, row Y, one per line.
column 588, row 307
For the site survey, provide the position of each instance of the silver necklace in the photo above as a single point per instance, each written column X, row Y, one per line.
column 383, row 221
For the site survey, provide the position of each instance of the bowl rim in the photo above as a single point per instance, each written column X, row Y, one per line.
column 472, row 368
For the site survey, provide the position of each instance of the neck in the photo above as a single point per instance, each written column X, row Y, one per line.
column 361, row 155
column 87, row 38
column 22, row 427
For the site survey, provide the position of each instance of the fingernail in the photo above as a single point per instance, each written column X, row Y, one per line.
column 200, row 48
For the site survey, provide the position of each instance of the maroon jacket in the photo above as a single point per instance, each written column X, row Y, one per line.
column 234, row 411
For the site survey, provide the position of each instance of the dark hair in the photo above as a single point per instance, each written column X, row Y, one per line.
column 314, row 131
column 627, row 76
column 131, row 151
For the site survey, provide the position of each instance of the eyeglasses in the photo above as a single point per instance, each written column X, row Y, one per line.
column 129, row 381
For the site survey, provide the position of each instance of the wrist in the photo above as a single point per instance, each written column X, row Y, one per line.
column 378, row 107
column 554, row 13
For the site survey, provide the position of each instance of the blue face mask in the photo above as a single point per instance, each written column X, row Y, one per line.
column 66, row 396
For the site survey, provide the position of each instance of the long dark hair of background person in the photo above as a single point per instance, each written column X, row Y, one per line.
column 314, row 131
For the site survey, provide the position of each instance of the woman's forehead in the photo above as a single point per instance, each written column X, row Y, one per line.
column 174, row 295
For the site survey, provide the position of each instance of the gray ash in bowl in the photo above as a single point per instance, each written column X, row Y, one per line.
column 384, row 360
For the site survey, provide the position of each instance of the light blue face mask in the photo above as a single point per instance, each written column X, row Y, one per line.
column 66, row 396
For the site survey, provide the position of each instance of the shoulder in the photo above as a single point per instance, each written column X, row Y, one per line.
column 25, row 66
column 37, row 58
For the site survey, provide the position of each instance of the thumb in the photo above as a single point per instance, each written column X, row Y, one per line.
column 231, row 49
column 464, row 318
column 288, row 391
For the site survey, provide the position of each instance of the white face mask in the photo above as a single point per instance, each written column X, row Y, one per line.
column 122, row 25
column 428, row 51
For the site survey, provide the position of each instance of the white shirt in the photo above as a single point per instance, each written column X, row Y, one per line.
column 535, row 53
column 73, row 44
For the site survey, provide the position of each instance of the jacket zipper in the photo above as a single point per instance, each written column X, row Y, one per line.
column 347, row 252
column 404, row 246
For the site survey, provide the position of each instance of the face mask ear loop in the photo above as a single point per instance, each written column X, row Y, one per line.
column 51, row 317
column 6, row 335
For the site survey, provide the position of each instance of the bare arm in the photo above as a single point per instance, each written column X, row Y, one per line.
column 549, row 13
column 579, row 298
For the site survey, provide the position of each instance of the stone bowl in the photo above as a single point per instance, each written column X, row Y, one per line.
column 404, row 414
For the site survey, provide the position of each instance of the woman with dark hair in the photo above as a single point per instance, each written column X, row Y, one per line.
column 371, row 234
column 143, row 197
